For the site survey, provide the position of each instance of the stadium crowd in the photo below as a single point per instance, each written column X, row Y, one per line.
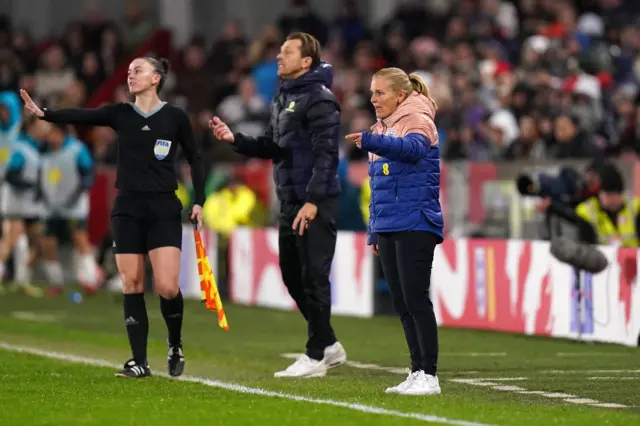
column 522, row 79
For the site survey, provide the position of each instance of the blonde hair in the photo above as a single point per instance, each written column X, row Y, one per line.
column 400, row 80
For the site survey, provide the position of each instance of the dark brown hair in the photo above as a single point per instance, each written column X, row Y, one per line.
column 160, row 67
column 309, row 47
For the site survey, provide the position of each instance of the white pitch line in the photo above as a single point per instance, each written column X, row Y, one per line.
column 609, row 405
column 475, row 354
column 558, row 395
column 589, row 354
column 246, row 389
column 503, row 379
column 491, row 383
column 509, row 388
column 612, row 378
column 34, row 316
column 585, row 401
column 588, row 371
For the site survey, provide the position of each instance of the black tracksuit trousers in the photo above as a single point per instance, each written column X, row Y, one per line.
column 407, row 258
column 305, row 263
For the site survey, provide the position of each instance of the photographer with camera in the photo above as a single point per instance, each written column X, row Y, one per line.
column 610, row 217
column 570, row 187
column 566, row 190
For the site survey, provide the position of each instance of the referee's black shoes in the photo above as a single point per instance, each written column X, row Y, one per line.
column 134, row 371
column 175, row 361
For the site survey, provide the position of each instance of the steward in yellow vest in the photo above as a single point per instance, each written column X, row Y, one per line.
column 612, row 216
column 617, row 225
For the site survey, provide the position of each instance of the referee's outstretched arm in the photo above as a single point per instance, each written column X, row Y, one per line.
column 103, row 116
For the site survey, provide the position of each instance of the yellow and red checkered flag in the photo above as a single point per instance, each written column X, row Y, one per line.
column 208, row 287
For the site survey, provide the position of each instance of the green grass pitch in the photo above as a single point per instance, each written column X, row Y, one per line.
column 57, row 360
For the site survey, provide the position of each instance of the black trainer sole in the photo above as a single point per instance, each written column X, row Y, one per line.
column 177, row 370
column 124, row 376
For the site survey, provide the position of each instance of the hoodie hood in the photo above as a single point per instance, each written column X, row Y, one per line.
column 415, row 114
column 12, row 103
column 322, row 74
column 416, row 103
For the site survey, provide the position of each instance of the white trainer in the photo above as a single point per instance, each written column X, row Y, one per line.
column 423, row 384
column 402, row 386
column 304, row 367
column 334, row 355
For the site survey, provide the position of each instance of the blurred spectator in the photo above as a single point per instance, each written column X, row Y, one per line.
column 10, row 69
column 513, row 79
column 194, row 82
column 93, row 25
column 111, row 50
column 91, row 74
column 270, row 36
column 413, row 18
column 570, row 141
column 349, row 25
column 73, row 45
column 5, row 31
column 246, row 111
column 54, row 77
column 300, row 17
column 265, row 73
column 136, row 25
column 227, row 48
column 25, row 50
column 28, row 83
column 529, row 146
column 395, row 47
column 73, row 96
column 105, row 148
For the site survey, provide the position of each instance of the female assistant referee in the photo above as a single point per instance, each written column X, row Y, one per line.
column 146, row 216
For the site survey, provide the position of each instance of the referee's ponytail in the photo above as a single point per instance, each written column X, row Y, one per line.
column 161, row 67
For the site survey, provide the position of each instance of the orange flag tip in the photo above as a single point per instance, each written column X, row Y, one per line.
column 208, row 288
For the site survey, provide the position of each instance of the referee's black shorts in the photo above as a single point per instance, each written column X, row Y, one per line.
column 141, row 222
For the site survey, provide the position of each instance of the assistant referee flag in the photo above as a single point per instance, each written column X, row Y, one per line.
column 208, row 288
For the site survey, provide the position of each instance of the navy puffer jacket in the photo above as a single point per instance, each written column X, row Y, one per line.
column 302, row 138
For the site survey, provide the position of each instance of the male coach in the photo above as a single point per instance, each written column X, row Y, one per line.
column 302, row 140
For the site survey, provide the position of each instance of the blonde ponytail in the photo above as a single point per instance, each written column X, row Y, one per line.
column 418, row 85
column 399, row 80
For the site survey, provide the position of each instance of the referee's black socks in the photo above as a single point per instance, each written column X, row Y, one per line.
column 172, row 310
column 135, row 318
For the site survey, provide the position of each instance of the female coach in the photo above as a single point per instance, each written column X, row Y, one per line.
column 146, row 213
column 405, row 222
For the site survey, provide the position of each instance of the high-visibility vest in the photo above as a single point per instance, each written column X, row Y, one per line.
column 365, row 199
column 622, row 233
column 226, row 209
column 183, row 195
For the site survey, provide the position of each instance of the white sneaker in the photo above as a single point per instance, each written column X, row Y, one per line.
column 423, row 384
column 404, row 385
column 334, row 355
column 304, row 367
